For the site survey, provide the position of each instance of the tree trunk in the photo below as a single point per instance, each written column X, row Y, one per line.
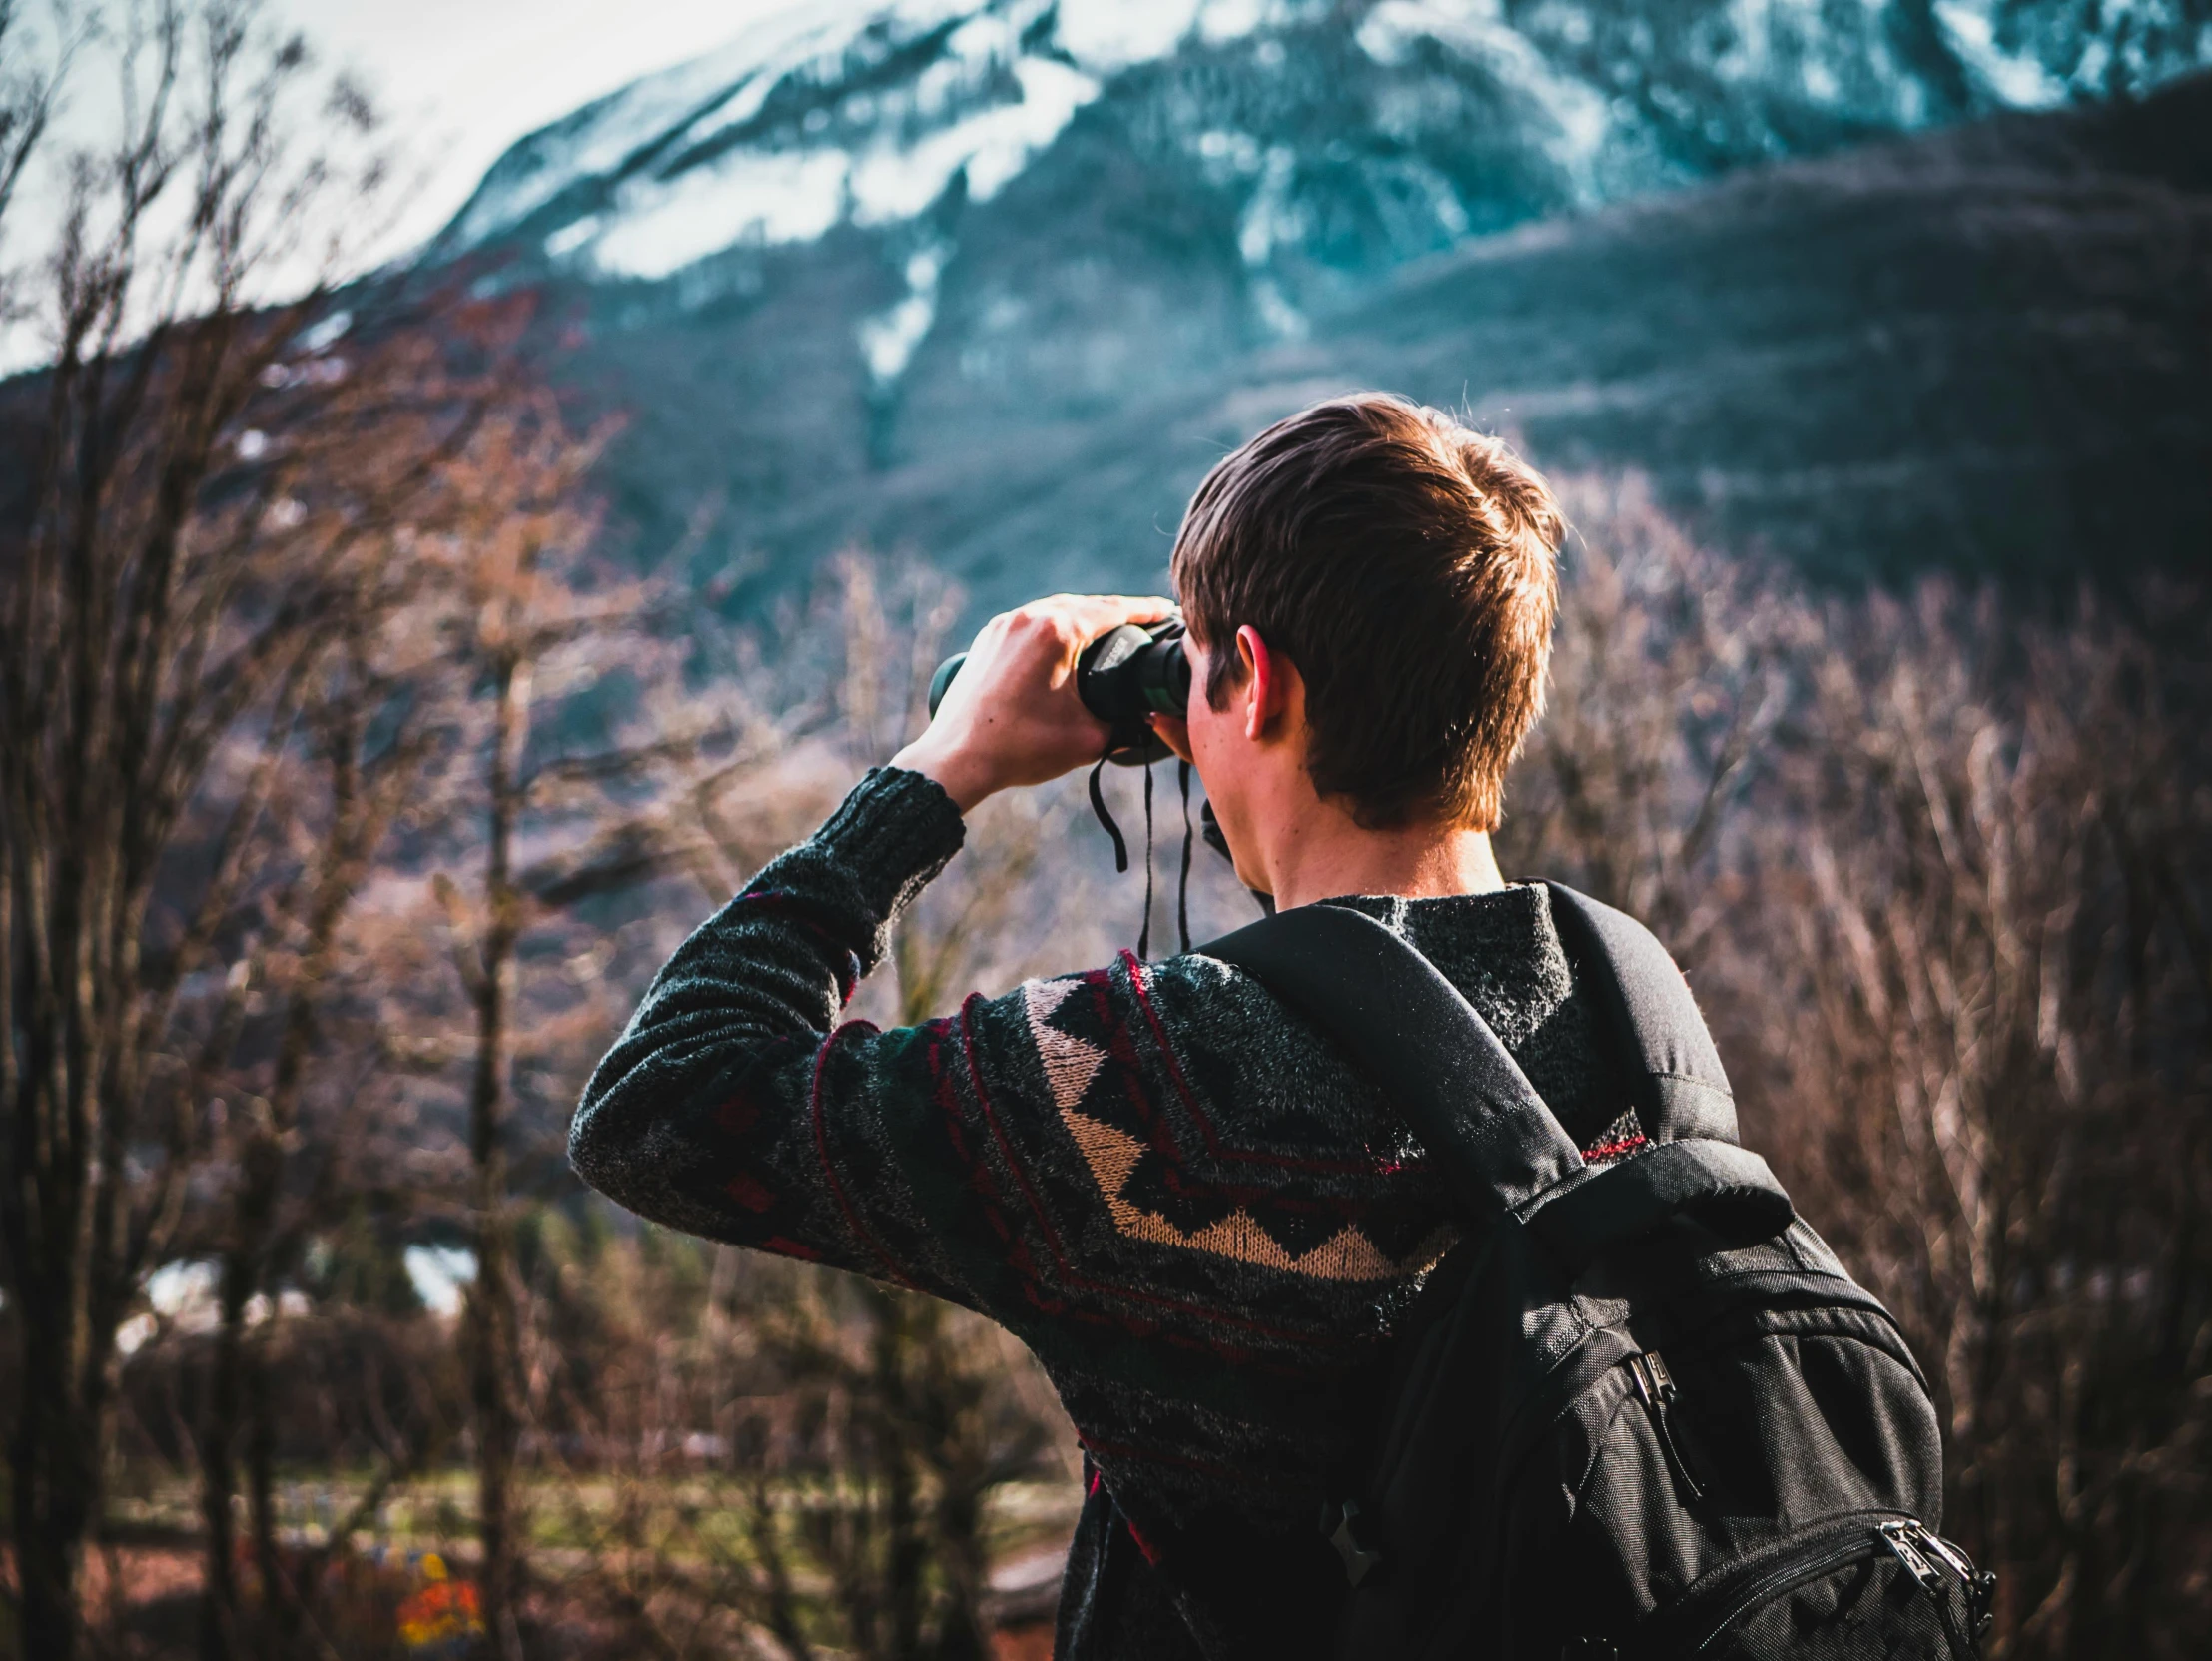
column 221, row 1613
column 494, row 1314
column 279, row 1598
column 895, row 1433
column 218, row 1604
column 492, row 1307
column 56, row 1485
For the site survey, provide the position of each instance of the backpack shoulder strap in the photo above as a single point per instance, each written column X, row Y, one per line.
column 1681, row 1089
column 1408, row 1028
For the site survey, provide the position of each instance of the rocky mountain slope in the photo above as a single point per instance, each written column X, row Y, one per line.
column 996, row 278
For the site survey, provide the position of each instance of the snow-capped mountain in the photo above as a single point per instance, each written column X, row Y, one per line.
column 880, row 235
column 1341, row 136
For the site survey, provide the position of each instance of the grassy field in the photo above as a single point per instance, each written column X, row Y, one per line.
column 566, row 1511
column 677, row 1546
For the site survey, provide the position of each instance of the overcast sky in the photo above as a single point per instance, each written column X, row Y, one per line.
column 466, row 78
column 459, row 80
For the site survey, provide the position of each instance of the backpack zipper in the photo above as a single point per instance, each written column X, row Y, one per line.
column 1809, row 1563
column 1860, row 1539
column 1655, row 1387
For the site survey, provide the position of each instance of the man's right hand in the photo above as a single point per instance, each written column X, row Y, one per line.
column 1011, row 716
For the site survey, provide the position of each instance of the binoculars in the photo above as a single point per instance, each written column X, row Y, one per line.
column 1123, row 678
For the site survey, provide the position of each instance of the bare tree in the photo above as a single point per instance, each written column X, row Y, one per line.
column 923, row 1405
column 582, row 736
column 1669, row 677
column 1990, row 916
column 366, row 728
column 514, row 556
column 204, row 490
column 767, row 1447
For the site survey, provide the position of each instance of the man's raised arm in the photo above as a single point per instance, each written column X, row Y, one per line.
column 735, row 1106
column 713, row 1113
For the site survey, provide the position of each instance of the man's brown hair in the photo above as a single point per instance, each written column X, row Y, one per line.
column 1408, row 567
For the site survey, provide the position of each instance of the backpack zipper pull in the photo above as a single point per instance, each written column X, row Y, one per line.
column 1900, row 1537
column 1913, row 1545
column 1935, row 1545
column 1655, row 1386
column 1981, row 1587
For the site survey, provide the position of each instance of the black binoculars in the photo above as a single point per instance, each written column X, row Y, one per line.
column 1124, row 677
column 1138, row 671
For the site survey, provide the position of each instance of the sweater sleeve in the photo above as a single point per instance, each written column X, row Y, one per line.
column 737, row 1105
column 1138, row 1170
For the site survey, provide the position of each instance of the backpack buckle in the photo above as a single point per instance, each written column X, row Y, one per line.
column 1346, row 1529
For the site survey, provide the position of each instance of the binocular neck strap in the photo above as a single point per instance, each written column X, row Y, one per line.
column 1144, row 929
column 1183, row 887
column 1122, row 849
column 1098, row 806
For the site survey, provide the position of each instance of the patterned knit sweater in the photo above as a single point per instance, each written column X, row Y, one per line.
column 1179, row 1196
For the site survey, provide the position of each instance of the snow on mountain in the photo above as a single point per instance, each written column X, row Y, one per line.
column 1342, row 139
column 828, row 110
column 861, row 111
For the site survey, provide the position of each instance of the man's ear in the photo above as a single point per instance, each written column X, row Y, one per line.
column 1266, row 693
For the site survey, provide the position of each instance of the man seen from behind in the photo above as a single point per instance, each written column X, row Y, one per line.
column 1186, row 1202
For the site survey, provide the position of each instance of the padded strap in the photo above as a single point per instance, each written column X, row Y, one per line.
column 1729, row 1186
column 1408, row 1029
column 1681, row 1089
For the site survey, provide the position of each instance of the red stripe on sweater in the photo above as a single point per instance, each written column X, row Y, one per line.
column 987, row 1189
column 829, row 1172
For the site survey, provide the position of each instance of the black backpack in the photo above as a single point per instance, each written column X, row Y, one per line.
column 1640, row 1412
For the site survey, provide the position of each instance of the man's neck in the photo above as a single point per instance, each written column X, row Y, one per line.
column 1322, row 853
